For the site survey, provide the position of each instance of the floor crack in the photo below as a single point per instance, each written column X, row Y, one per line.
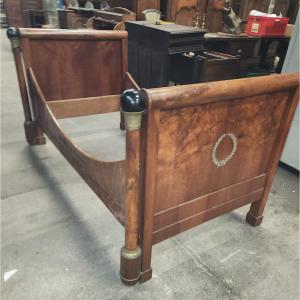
column 206, row 269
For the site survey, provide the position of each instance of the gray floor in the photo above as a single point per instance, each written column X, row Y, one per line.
column 64, row 243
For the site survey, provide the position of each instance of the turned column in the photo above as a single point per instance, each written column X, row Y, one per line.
column 132, row 106
column 34, row 135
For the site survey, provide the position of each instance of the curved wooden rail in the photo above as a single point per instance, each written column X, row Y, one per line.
column 201, row 93
column 64, row 34
column 107, row 179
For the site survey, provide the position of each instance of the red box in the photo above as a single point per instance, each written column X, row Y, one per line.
column 266, row 26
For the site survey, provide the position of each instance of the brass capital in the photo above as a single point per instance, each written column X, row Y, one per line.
column 131, row 254
column 133, row 120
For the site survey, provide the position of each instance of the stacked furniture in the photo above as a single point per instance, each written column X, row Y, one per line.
column 74, row 18
column 112, row 18
column 151, row 48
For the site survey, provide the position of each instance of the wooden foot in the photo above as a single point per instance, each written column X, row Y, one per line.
column 34, row 135
column 253, row 220
column 130, row 269
column 146, row 275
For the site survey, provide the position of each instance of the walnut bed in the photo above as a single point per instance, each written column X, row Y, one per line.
column 193, row 152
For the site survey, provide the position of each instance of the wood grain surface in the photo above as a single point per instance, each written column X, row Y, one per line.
column 76, row 64
column 186, row 137
column 183, row 186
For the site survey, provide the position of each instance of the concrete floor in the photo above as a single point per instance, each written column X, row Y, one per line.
column 65, row 244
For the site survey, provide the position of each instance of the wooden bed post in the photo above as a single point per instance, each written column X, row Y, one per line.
column 255, row 214
column 34, row 135
column 132, row 106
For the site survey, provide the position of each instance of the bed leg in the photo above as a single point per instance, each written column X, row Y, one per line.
column 131, row 254
column 146, row 275
column 34, row 134
column 254, row 220
column 130, row 268
column 255, row 214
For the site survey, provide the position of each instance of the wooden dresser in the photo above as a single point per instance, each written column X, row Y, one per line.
column 151, row 47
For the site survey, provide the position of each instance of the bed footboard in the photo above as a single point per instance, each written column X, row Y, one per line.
column 212, row 148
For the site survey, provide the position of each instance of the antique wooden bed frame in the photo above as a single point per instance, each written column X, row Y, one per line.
column 193, row 152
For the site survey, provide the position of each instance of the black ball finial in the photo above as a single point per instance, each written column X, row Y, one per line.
column 12, row 32
column 132, row 101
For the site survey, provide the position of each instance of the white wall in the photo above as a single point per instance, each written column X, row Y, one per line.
column 290, row 154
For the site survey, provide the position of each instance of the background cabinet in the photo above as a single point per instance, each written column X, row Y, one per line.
column 180, row 11
column 14, row 13
column 18, row 11
column 137, row 6
column 183, row 11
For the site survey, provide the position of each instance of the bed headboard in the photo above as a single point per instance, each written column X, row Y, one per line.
column 76, row 63
column 213, row 147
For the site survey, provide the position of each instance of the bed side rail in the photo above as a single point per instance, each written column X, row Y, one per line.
column 107, row 179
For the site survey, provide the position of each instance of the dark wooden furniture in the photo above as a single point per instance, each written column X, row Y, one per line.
column 246, row 46
column 204, row 67
column 254, row 51
column 14, row 13
column 74, row 18
column 151, row 47
column 193, row 152
column 34, row 18
column 112, row 19
column 24, row 13
column 137, row 6
column 181, row 12
column 271, row 47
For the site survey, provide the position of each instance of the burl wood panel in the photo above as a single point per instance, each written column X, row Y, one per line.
column 185, row 171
